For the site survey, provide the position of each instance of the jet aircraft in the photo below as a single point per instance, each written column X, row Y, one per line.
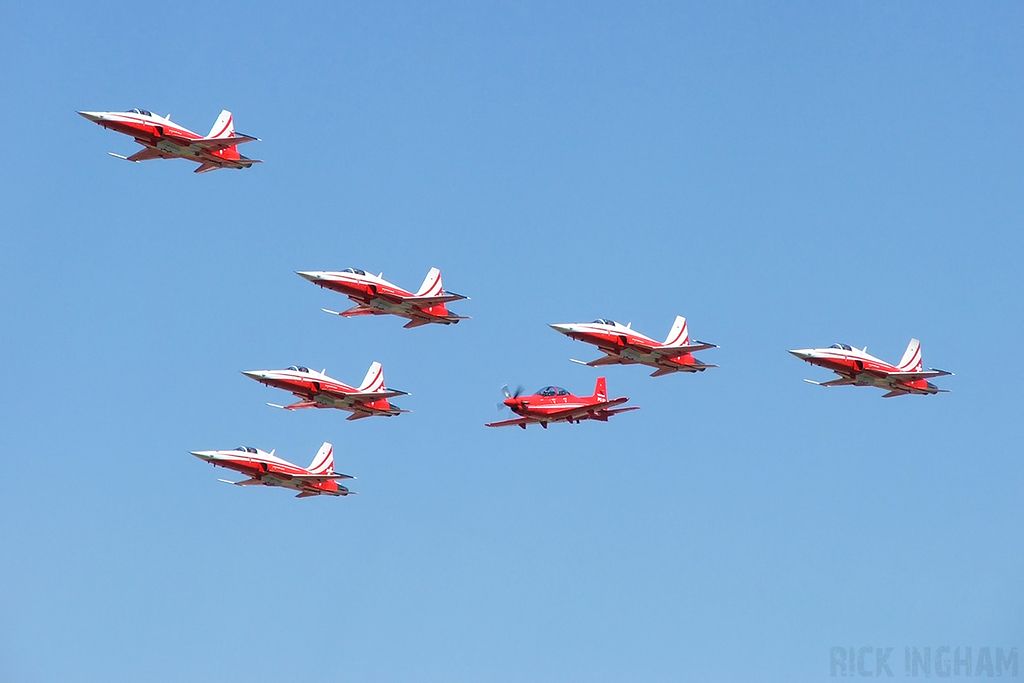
column 857, row 367
column 554, row 404
column 162, row 139
column 376, row 296
column 624, row 345
column 317, row 390
column 266, row 469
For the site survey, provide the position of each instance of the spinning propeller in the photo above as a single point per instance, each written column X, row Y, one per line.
column 516, row 395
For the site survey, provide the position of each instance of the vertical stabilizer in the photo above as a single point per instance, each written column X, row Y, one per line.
column 323, row 463
column 678, row 335
column 912, row 361
column 601, row 389
column 374, row 380
column 224, row 127
column 432, row 284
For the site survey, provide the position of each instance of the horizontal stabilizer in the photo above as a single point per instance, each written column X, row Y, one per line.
column 613, row 411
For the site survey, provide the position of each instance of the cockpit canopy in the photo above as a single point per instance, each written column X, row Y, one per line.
column 246, row 449
column 298, row 368
column 844, row 347
column 141, row 111
column 605, row 321
column 553, row 391
column 355, row 271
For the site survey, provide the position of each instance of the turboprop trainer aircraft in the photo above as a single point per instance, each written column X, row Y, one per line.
column 162, row 139
column 376, row 296
column 266, row 469
column 554, row 404
column 857, row 367
column 317, row 390
column 624, row 345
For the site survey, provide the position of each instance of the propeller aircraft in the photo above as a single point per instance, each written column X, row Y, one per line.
column 554, row 404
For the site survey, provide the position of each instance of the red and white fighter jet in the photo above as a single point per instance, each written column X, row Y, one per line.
column 266, row 469
column 376, row 296
column 857, row 367
column 554, row 404
column 163, row 139
column 624, row 345
column 317, row 390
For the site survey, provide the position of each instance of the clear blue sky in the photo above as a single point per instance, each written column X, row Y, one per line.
column 785, row 176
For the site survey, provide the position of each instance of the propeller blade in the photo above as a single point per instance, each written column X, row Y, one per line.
column 519, row 391
column 504, row 390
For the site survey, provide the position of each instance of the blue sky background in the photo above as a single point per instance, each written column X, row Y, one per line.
column 784, row 176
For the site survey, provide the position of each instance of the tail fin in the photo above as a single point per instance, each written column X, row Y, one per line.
column 323, row 463
column 601, row 389
column 432, row 284
column 678, row 335
column 912, row 357
column 374, row 380
column 224, row 126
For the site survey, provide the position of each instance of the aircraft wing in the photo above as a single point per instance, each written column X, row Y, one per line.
column 914, row 376
column 672, row 351
column 421, row 300
column 245, row 482
column 212, row 144
column 519, row 421
column 355, row 310
column 144, row 154
column 321, row 477
column 366, row 396
column 606, row 360
column 583, row 410
column 833, row 382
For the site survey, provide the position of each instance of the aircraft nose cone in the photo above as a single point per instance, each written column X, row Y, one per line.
column 90, row 115
column 311, row 275
column 205, row 455
column 255, row 374
column 561, row 327
column 802, row 354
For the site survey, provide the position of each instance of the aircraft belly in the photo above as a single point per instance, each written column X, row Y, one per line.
column 867, row 379
column 171, row 148
column 633, row 354
column 387, row 306
column 331, row 401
